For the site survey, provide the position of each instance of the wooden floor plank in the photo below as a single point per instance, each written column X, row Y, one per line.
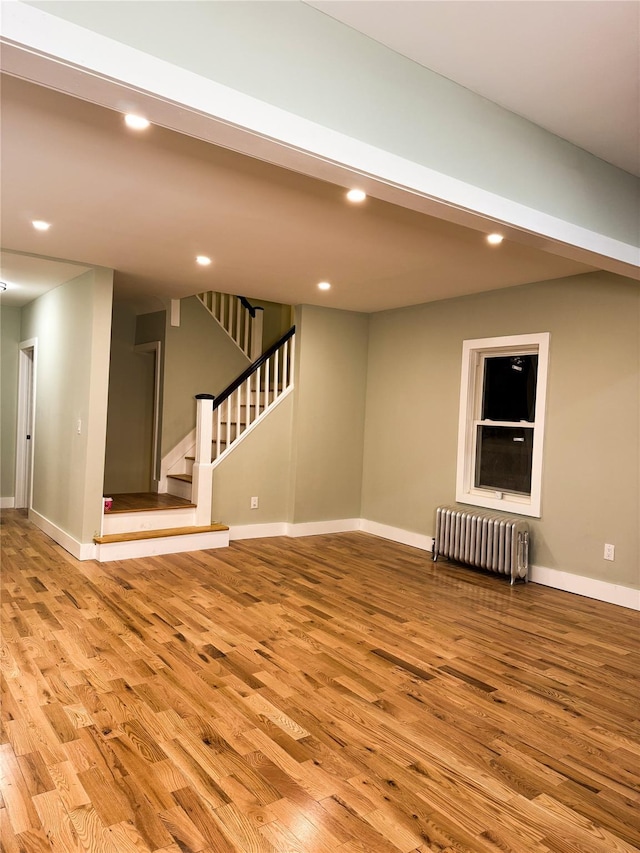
column 336, row 693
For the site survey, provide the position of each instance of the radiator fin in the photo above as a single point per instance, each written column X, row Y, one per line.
column 483, row 539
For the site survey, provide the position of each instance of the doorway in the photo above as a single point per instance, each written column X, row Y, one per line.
column 26, row 423
column 154, row 349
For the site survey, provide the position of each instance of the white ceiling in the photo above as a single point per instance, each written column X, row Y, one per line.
column 28, row 277
column 145, row 205
column 570, row 66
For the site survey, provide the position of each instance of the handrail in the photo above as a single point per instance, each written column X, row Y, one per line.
column 228, row 391
column 250, row 308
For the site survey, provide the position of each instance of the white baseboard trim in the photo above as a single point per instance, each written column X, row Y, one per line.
column 258, row 531
column 283, row 528
column 80, row 551
column 397, row 534
column 623, row 596
column 7, row 503
column 316, row 528
column 339, row 525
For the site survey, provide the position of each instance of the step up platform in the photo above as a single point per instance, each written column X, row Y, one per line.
column 170, row 540
column 145, row 524
column 147, row 511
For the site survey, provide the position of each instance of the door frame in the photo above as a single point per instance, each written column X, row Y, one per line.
column 26, row 421
column 154, row 348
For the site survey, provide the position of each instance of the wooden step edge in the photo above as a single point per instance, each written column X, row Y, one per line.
column 137, row 535
column 185, row 505
column 185, row 478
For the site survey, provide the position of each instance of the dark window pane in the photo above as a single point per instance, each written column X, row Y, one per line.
column 509, row 391
column 503, row 458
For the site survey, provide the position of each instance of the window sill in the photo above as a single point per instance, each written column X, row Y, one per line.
column 509, row 503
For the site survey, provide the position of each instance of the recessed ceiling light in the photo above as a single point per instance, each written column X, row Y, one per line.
column 203, row 260
column 41, row 225
column 324, row 285
column 136, row 122
column 356, row 195
column 495, row 239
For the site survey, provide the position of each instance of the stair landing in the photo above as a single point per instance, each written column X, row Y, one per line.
column 142, row 501
column 145, row 524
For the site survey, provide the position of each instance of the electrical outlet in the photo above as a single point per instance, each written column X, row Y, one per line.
column 609, row 552
column 254, row 503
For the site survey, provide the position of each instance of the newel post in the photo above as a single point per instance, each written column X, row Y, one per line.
column 201, row 488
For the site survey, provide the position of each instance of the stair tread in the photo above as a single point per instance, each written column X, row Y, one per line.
column 185, row 478
column 146, row 502
column 137, row 535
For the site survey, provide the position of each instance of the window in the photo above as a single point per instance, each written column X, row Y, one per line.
column 501, row 429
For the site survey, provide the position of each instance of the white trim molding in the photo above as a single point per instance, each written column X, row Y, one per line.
column 611, row 593
column 79, row 550
column 284, row 528
column 258, row 531
column 7, row 503
column 472, row 383
column 317, row 528
column 26, row 422
column 397, row 534
column 154, row 348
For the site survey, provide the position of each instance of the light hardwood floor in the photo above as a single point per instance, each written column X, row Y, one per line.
column 330, row 694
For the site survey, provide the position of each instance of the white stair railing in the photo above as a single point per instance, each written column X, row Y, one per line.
column 223, row 421
column 241, row 321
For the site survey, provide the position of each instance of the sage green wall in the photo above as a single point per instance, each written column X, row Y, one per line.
column 277, row 320
column 130, row 412
column 590, row 479
column 9, row 340
column 260, row 466
column 328, row 419
column 277, row 52
column 72, row 325
column 151, row 327
column 199, row 358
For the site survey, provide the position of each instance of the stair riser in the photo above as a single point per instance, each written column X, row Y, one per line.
column 167, row 545
column 179, row 488
column 129, row 522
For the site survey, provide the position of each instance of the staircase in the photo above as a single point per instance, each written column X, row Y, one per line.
column 233, row 415
column 178, row 519
column 240, row 320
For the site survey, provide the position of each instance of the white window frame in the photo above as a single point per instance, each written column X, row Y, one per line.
column 474, row 353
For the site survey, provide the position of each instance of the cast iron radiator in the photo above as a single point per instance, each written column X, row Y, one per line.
column 483, row 539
